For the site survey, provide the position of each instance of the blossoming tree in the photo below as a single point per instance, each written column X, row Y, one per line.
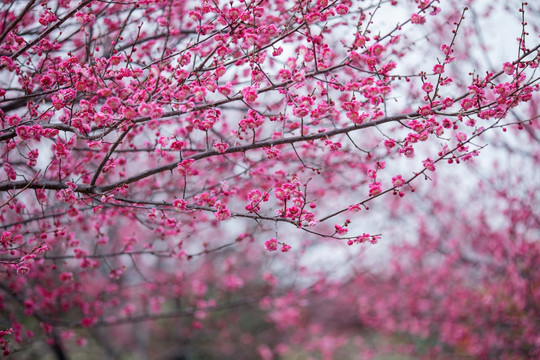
column 168, row 166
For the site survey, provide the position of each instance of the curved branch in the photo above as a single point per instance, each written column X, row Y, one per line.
column 89, row 189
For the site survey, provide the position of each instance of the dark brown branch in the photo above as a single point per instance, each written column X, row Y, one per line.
column 257, row 145
column 89, row 189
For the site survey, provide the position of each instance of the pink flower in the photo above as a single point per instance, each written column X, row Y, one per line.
column 23, row 270
column 220, row 71
column 180, row 204
column 250, row 95
column 342, row 9
column 278, row 51
column 446, row 49
column 145, row 109
column 461, row 137
column 428, row 164
column 113, row 103
column 88, row 322
column 254, row 196
column 300, row 112
column 12, row 175
column 13, row 120
column 447, row 102
column 408, row 151
column 341, row 230
column 397, row 181
column 508, row 68
column 438, row 69
column 280, row 193
column 199, row 92
column 272, row 152
column 178, row 145
column 184, row 166
column 466, row 104
column 374, row 188
column 46, row 81
column 271, row 245
column 222, row 214
column 224, row 90
column 427, row 87
column 417, row 19
column 357, row 118
column 376, row 49
column 388, row 143
column 221, row 147
column 285, row 248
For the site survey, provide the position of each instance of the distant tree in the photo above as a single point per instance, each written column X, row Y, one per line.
column 155, row 154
